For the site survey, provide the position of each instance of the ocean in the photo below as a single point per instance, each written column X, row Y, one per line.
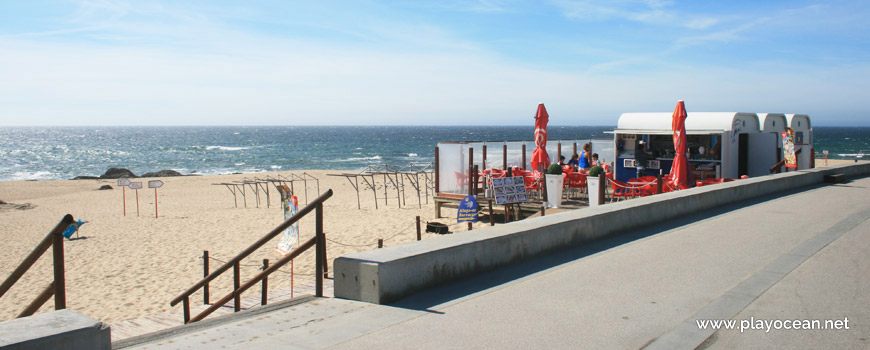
column 50, row 153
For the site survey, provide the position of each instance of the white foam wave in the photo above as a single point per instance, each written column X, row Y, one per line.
column 859, row 155
column 412, row 155
column 275, row 167
column 357, row 159
column 225, row 148
column 39, row 175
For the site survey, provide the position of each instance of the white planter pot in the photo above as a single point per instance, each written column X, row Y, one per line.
column 554, row 190
column 592, row 184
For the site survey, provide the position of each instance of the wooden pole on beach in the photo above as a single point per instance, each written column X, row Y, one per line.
column 264, row 289
column 436, row 171
column 204, row 275
column 484, row 156
column 559, row 151
column 524, row 157
column 380, row 243
column 419, row 233
column 504, row 156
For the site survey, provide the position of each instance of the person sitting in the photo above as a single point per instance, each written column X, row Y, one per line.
column 595, row 161
column 561, row 160
column 574, row 162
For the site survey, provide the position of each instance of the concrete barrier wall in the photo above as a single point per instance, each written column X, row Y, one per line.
column 385, row 275
column 63, row 329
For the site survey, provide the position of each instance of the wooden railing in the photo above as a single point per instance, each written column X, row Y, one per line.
column 319, row 240
column 56, row 287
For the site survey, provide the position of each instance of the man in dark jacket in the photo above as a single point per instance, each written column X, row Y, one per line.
column 640, row 158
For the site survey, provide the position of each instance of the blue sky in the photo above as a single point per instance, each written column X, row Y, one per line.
column 94, row 62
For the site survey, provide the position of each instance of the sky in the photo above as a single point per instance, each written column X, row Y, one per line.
column 487, row 62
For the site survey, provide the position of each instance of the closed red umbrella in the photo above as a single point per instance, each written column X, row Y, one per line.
column 679, row 169
column 540, row 158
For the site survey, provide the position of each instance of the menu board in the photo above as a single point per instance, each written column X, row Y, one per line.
column 509, row 190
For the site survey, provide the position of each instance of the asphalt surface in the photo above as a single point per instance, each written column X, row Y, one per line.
column 797, row 256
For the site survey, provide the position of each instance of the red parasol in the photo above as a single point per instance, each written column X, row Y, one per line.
column 679, row 169
column 540, row 158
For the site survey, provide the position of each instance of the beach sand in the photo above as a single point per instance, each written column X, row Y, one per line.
column 126, row 267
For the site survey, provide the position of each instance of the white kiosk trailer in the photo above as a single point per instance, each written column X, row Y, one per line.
column 776, row 124
column 720, row 144
column 803, row 139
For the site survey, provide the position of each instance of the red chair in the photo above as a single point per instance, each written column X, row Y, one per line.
column 621, row 190
column 574, row 181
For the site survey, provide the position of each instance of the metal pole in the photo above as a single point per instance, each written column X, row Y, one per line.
column 524, row 156
column 484, row 156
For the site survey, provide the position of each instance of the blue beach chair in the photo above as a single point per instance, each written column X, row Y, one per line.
column 73, row 228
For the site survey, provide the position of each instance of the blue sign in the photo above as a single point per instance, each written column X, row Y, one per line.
column 467, row 210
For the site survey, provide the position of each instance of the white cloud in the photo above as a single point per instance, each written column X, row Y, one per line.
column 643, row 11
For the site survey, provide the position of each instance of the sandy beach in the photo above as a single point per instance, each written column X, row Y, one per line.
column 127, row 267
column 131, row 266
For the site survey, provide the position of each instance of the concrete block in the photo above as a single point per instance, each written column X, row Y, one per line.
column 63, row 329
column 385, row 275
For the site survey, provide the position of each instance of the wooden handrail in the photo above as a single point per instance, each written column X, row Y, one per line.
column 284, row 260
column 53, row 239
column 776, row 166
column 253, row 247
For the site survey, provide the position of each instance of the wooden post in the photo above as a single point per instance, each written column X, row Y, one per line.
column 469, row 225
column 59, row 281
column 507, row 212
column 470, row 169
column 264, row 289
column 543, row 210
column 558, row 152
column 575, row 149
column 237, row 282
column 504, row 156
column 602, row 181
column 204, row 275
column 419, row 233
column 319, row 258
column 186, row 306
column 437, row 187
column 659, row 183
column 524, row 156
column 491, row 218
column 484, row 156
column 475, row 176
column 380, row 243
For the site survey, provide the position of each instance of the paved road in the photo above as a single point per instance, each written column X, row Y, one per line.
column 798, row 256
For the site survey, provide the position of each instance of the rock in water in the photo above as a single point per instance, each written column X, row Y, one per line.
column 162, row 173
column 104, row 187
column 117, row 173
column 86, row 177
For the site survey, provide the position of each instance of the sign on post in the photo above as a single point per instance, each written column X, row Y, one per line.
column 136, row 186
column 788, row 148
column 467, row 210
column 124, row 182
column 155, row 184
column 509, row 190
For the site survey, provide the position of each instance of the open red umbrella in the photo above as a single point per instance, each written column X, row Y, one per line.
column 679, row 169
column 540, row 158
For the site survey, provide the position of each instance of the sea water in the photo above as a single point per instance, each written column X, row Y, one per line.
column 43, row 153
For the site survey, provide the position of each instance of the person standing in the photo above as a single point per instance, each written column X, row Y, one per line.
column 640, row 158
